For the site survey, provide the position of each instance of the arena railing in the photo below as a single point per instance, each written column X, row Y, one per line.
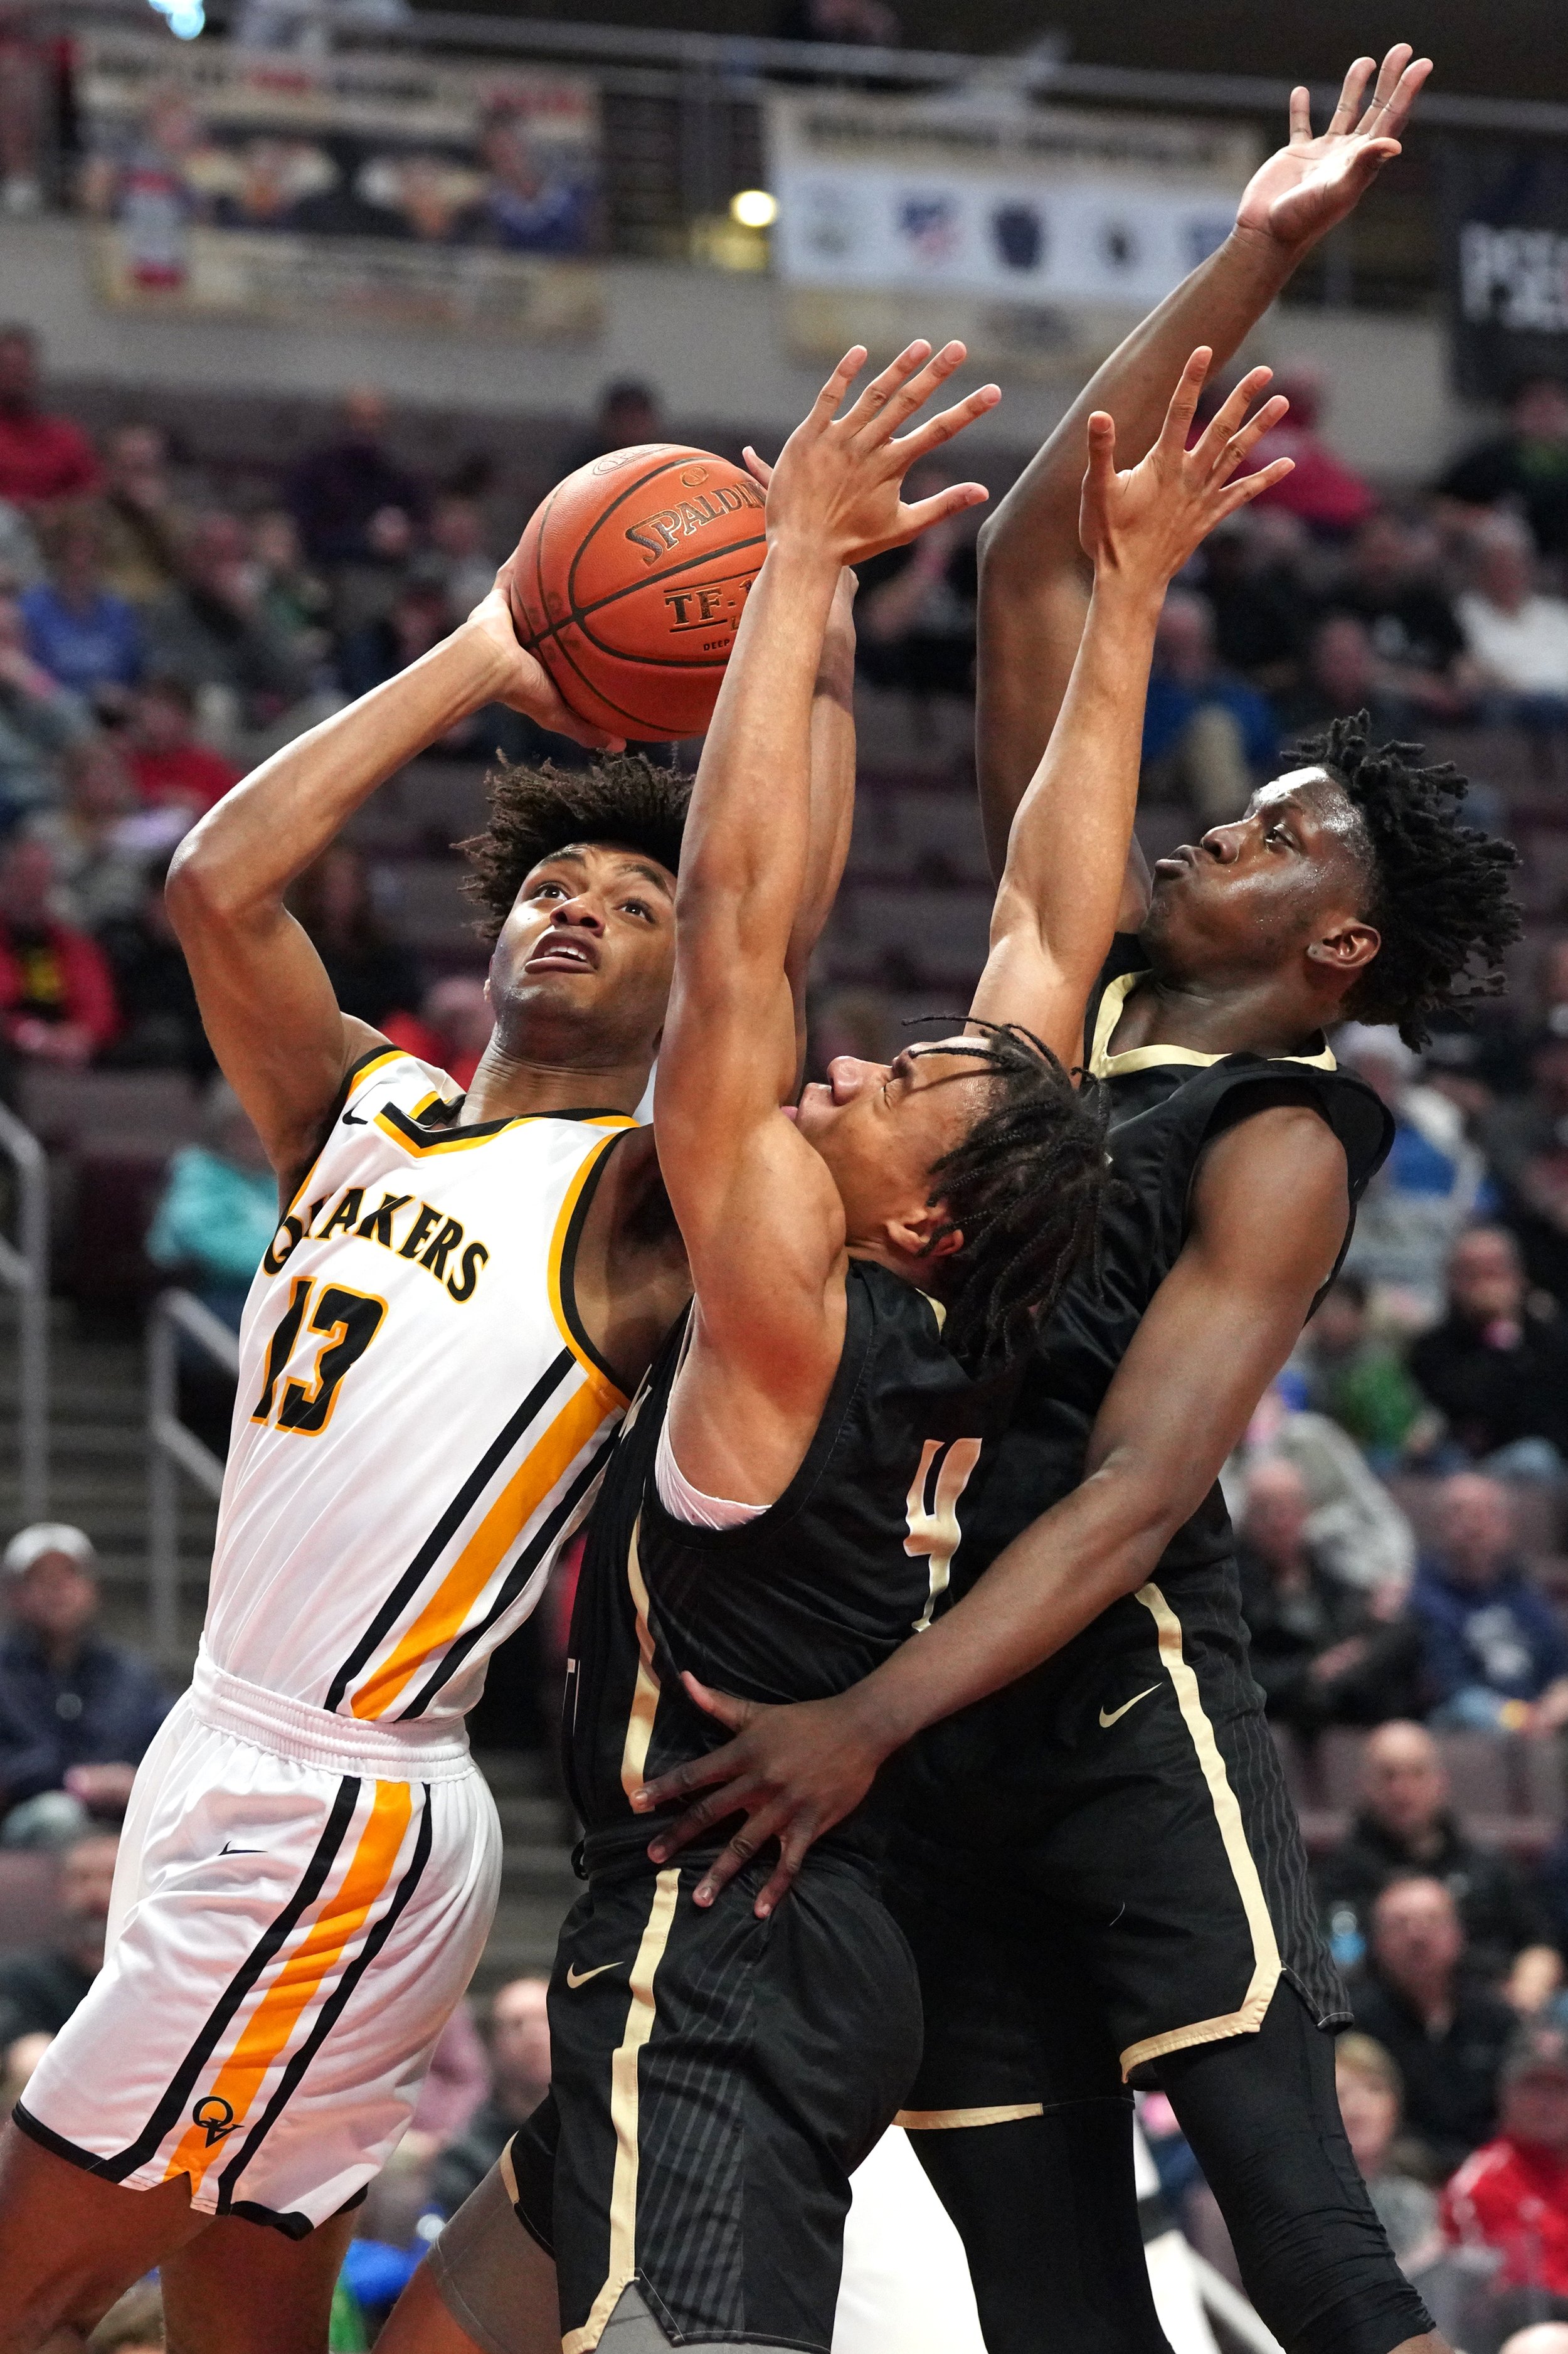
column 174, row 1447
column 24, row 1270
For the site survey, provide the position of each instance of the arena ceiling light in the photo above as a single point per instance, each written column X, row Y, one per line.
column 754, row 209
column 185, row 18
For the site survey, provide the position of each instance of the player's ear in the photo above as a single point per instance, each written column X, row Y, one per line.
column 1346, row 946
column 917, row 1232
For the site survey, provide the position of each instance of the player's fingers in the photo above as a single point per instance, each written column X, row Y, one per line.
column 718, row 1807
column 876, row 395
column 1242, row 444
column 1388, row 76
column 1242, row 494
column 754, row 1833
column 1349, row 105
column 1102, row 453
column 736, row 1713
column 825, row 406
column 1183, row 403
column 945, row 428
column 1300, row 116
column 1411, row 83
column 913, row 521
column 1230, row 416
column 914, row 393
column 794, row 1850
column 758, row 468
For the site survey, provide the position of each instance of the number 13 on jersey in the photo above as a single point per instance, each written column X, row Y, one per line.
column 348, row 1321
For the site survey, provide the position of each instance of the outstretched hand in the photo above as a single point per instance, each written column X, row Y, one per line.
column 793, row 1772
column 1144, row 525
column 1313, row 183
column 836, row 483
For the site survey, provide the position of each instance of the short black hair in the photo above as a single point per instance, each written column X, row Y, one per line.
column 1439, row 891
column 1025, row 1188
column 621, row 797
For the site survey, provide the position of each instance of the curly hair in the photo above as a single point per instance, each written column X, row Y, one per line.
column 533, row 811
column 1025, row 1188
column 1439, row 892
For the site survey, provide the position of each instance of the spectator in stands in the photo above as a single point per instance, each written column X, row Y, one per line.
column 419, row 619
column 336, row 491
column 1317, row 1645
column 1512, row 2194
column 140, row 522
column 168, row 763
column 42, row 458
column 57, row 996
column 161, row 1028
column 1526, row 1144
column 1517, row 636
column 294, row 602
column 1350, row 1372
column 1263, row 610
column 1206, row 735
column 1392, row 588
column 21, row 559
column 98, row 870
column 1429, row 1188
column 1527, row 466
column 520, row 2066
column 456, row 558
column 451, row 1029
column 1497, row 1658
column 1371, row 2101
column 1445, row 2033
column 41, row 1986
column 371, row 972
column 211, row 635
column 916, row 612
column 218, row 1211
column 85, row 636
column 367, row 587
column 629, row 412
column 1496, row 1367
column 1327, row 495
column 1406, row 1825
column 77, row 1711
column 1344, row 672
column 39, row 720
column 536, row 201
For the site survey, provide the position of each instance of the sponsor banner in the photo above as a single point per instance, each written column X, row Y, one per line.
column 1019, row 216
column 1507, row 240
column 357, row 189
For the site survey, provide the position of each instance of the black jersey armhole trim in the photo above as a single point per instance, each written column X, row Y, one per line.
column 853, row 1358
column 440, row 1131
column 567, row 1280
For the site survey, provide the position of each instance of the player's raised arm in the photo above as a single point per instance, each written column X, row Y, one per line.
column 761, row 1218
column 267, row 1006
column 1033, row 582
column 1075, row 823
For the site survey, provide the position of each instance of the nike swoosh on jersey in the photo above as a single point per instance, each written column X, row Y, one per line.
column 575, row 1977
column 1107, row 1721
column 226, row 1849
column 354, row 1119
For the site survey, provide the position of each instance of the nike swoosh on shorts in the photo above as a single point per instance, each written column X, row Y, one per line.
column 575, row 1977
column 1107, row 1721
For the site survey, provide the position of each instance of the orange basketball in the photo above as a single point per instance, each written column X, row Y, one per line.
column 629, row 583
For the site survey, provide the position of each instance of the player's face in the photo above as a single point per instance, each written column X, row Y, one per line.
column 584, row 960
column 1251, row 895
column 882, row 1127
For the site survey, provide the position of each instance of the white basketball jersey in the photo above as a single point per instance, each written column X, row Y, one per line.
column 420, row 1416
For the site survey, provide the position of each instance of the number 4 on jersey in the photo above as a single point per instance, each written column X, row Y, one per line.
column 348, row 1321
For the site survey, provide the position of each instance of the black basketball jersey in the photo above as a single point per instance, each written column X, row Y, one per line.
column 1166, row 1104
column 798, row 1604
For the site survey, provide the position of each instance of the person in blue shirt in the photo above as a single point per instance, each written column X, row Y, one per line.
column 218, row 1211
column 1497, row 1656
column 83, row 635
column 1208, row 737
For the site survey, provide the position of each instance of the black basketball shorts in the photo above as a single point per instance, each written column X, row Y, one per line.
column 715, row 2080
column 1142, row 1894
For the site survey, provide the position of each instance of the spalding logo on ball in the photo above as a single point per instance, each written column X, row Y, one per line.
column 629, row 583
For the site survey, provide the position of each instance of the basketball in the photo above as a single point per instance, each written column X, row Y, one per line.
column 629, row 582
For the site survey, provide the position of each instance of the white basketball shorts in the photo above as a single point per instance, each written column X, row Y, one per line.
column 298, row 1905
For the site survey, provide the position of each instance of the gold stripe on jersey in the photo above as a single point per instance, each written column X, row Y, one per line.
column 443, row 1616
column 266, row 2035
column 645, row 1693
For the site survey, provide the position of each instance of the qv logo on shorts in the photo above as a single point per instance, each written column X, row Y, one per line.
column 215, row 2116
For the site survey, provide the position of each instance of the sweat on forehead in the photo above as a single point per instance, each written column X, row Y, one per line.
column 1323, row 796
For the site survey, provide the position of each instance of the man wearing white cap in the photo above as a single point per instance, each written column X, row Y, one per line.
column 77, row 1711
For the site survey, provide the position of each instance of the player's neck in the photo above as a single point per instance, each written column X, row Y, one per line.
column 1234, row 1015
column 511, row 1086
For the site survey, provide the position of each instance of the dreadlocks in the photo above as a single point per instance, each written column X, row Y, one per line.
column 1024, row 1188
column 621, row 798
column 1439, row 890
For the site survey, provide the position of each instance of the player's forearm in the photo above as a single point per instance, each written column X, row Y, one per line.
column 1100, row 1543
column 832, row 812
column 248, row 849
column 743, row 859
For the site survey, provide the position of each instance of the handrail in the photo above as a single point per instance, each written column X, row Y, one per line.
column 175, row 1447
column 24, row 1270
column 1227, row 2305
